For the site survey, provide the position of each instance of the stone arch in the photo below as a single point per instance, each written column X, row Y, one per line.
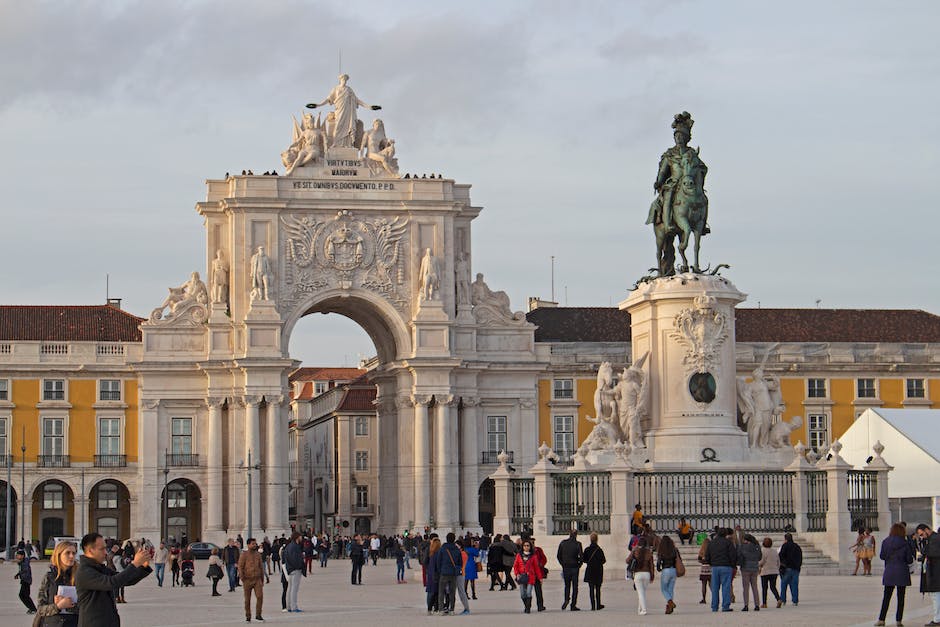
column 377, row 317
column 486, row 504
column 14, row 512
column 181, row 508
column 109, row 509
column 53, row 510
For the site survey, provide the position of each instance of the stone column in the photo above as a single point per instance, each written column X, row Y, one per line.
column 799, row 467
column 469, row 461
column 214, row 467
column 422, row 461
column 543, row 471
column 839, row 534
column 445, row 465
column 253, row 446
column 502, row 479
column 879, row 465
column 146, row 518
column 622, row 500
column 275, row 462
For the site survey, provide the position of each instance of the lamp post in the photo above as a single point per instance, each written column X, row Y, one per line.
column 249, row 468
column 9, row 522
column 23, row 489
column 166, row 497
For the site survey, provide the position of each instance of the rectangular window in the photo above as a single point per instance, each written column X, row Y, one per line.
column 866, row 388
column 53, row 390
column 319, row 387
column 4, row 389
column 53, row 436
column 53, row 496
column 495, row 434
column 362, row 460
column 362, row 496
column 109, row 390
column 816, row 388
column 109, row 436
column 915, row 388
column 563, row 435
column 362, row 425
column 818, row 431
column 3, row 436
column 182, row 436
column 563, row 388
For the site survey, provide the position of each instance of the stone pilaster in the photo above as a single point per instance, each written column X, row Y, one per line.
column 469, row 453
column 422, row 461
column 799, row 467
column 253, row 457
column 543, row 471
column 214, row 476
column 275, row 467
column 445, row 465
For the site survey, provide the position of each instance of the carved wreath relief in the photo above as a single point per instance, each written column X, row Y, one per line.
column 344, row 252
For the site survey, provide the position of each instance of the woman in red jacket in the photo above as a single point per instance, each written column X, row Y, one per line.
column 527, row 571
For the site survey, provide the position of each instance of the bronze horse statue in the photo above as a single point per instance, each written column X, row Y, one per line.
column 689, row 216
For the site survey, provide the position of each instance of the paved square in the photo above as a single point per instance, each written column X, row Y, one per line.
column 327, row 597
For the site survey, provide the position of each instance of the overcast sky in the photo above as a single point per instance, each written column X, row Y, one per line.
column 818, row 121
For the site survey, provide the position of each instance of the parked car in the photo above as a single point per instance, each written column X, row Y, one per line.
column 202, row 550
column 57, row 539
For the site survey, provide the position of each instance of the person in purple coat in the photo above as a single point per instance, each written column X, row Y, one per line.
column 897, row 556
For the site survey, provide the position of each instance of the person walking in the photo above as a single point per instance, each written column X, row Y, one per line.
column 323, row 550
column 214, row 573
column 25, row 575
column 644, row 571
column 95, row 582
column 594, row 560
column 461, row 583
column 722, row 558
column 897, row 555
column 570, row 555
column 705, row 570
column 251, row 573
column 294, row 563
column 749, row 557
column 509, row 551
column 666, row 563
column 174, row 558
column 857, row 550
column 431, row 576
column 494, row 563
column 374, row 545
column 449, row 564
column 57, row 610
column 930, row 577
column 230, row 555
column 791, row 561
column 471, row 568
column 868, row 551
column 399, row 554
column 769, row 569
column 160, row 555
column 357, row 558
column 526, row 571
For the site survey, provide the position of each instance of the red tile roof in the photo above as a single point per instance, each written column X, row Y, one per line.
column 326, row 374
column 607, row 324
column 68, row 323
column 358, row 399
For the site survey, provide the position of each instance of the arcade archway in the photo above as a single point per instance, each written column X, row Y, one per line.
column 53, row 510
column 109, row 509
column 182, row 511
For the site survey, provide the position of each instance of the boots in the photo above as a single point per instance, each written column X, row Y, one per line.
column 527, row 602
column 670, row 606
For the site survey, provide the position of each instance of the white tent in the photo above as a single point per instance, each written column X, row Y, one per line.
column 911, row 438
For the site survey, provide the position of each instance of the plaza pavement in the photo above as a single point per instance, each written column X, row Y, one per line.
column 327, row 598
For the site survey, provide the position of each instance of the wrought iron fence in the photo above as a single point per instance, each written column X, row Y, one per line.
column 758, row 501
column 582, row 502
column 52, row 461
column 863, row 499
column 523, row 505
column 110, row 461
column 817, row 500
column 182, row 459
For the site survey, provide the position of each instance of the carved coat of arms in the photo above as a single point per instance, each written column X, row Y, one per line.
column 701, row 330
column 345, row 252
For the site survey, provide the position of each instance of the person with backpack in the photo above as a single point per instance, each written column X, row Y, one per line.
column 642, row 570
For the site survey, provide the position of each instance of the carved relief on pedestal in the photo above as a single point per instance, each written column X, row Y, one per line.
column 701, row 330
column 344, row 252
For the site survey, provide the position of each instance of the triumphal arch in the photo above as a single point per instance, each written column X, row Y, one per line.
column 345, row 231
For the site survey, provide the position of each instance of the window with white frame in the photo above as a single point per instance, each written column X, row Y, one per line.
column 362, row 425
column 109, row 436
column 53, row 389
column 915, row 388
column 319, row 387
column 181, row 439
column 107, row 496
column 362, row 460
column 108, row 526
column 176, row 495
column 865, row 388
column 53, row 436
column 495, row 433
column 818, row 431
column 362, row 496
column 4, row 389
column 4, row 431
column 109, row 390
column 53, row 496
column 563, row 388
column 816, row 388
column 563, row 435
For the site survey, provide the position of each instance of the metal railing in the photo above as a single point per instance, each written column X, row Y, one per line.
column 489, row 457
column 758, row 501
column 52, row 461
column 523, row 505
column 582, row 502
column 863, row 499
column 110, row 461
column 182, row 459
column 817, row 500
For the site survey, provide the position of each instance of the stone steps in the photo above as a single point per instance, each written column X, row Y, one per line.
column 815, row 562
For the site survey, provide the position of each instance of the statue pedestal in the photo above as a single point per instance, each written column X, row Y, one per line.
column 431, row 329
column 263, row 330
column 686, row 323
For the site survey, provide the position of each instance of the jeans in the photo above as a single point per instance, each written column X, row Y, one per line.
column 899, row 612
column 323, row 557
column 356, row 572
column 936, row 607
column 642, row 581
column 461, row 592
column 570, row 576
column 790, row 579
column 594, row 592
column 400, row 572
column 159, row 569
column 293, row 587
column 667, row 583
column 232, row 571
column 25, row 596
column 769, row 580
column 525, row 591
column 721, row 580
column 446, row 594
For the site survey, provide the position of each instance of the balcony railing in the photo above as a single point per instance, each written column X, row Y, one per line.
column 110, row 461
column 52, row 461
column 364, row 509
column 489, row 457
column 182, row 459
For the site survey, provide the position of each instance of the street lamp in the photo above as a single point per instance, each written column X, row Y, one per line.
column 166, row 497
column 249, row 468
column 9, row 522
column 23, row 490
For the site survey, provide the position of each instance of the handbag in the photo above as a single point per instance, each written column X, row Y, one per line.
column 632, row 564
column 680, row 566
column 522, row 579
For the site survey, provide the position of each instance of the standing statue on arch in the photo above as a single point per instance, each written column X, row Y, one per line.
column 345, row 129
column 681, row 206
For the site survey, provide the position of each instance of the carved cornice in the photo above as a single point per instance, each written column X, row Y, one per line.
column 251, row 399
column 150, row 403
column 421, row 399
column 446, row 400
column 527, row 403
column 215, row 402
column 471, row 401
